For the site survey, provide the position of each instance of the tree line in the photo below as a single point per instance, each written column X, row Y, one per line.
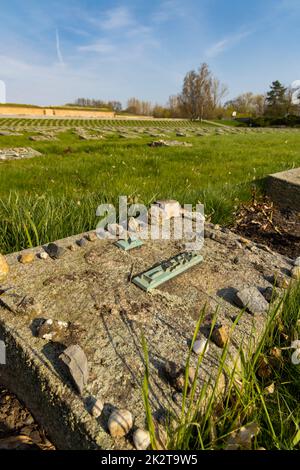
column 94, row 103
column 203, row 97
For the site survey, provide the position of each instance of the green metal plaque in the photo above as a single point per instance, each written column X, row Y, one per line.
column 166, row 270
column 128, row 244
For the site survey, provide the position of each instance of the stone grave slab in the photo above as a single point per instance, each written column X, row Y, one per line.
column 18, row 153
column 284, row 188
column 91, row 287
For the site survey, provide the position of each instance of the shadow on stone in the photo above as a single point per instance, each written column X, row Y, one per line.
column 52, row 352
column 35, row 325
column 228, row 294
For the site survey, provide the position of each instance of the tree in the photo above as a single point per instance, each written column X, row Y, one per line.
column 219, row 91
column 91, row 103
column 174, row 106
column 276, row 100
column 201, row 94
column 247, row 104
column 196, row 97
column 161, row 112
column 115, row 106
column 136, row 106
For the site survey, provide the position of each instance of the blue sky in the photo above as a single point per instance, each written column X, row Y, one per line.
column 53, row 52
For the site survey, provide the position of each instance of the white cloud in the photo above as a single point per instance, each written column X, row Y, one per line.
column 168, row 10
column 116, row 18
column 127, row 51
column 139, row 30
column 102, row 47
column 225, row 44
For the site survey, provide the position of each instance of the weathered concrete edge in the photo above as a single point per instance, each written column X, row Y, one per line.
column 60, row 411
column 282, row 191
column 56, row 408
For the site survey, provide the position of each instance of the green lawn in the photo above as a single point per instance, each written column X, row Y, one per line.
column 56, row 195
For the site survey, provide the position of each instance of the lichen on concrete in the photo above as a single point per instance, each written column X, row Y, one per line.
column 92, row 287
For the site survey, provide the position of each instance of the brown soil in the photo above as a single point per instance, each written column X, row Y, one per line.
column 265, row 223
column 18, row 429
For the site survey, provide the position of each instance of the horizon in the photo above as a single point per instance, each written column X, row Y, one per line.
column 117, row 50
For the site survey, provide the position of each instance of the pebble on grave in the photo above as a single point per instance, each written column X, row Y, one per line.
column 94, row 406
column 4, row 268
column 55, row 251
column 141, row 439
column 26, row 258
column 120, row 423
column 251, row 299
column 220, row 336
column 76, row 361
column 200, row 346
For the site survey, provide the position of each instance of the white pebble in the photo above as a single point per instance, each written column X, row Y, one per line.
column 141, row 439
column 44, row 255
column 200, row 345
column 120, row 422
column 95, row 407
column 116, row 230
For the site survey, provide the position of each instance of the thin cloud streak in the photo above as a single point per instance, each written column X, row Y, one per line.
column 225, row 44
column 58, row 49
column 100, row 47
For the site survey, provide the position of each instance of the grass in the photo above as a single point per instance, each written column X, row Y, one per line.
column 56, row 195
column 273, row 417
column 229, row 122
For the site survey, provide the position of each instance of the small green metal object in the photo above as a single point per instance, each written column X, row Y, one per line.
column 129, row 244
column 166, row 270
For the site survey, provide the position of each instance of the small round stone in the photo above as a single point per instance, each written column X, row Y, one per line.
column 116, row 230
column 43, row 255
column 94, row 406
column 72, row 248
column 220, row 336
column 200, row 345
column 91, row 237
column 82, row 242
column 141, row 439
column 120, row 422
column 55, row 251
column 26, row 258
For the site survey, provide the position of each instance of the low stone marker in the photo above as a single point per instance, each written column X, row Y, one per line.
column 284, row 188
column 18, row 153
column 92, row 287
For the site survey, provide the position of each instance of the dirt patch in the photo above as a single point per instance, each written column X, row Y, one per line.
column 18, row 428
column 264, row 222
